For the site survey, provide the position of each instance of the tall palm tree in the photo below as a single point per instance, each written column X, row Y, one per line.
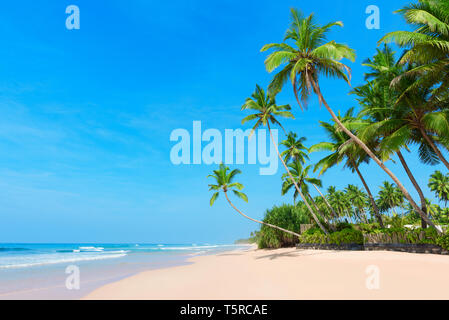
column 224, row 179
column 300, row 175
column 418, row 118
column 313, row 56
column 428, row 44
column 266, row 110
column 342, row 150
column 393, row 126
column 297, row 151
column 439, row 184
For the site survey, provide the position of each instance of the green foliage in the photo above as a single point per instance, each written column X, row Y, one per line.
column 344, row 225
column 443, row 241
column 345, row 236
column 369, row 228
column 285, row 216
column 439, row 184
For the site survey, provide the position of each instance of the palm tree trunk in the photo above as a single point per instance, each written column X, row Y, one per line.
column 370, row 195
column 296, row 185
column 261, row 222
column 325, row 201
column 434, row 147
column 417, row 187
column 373, row 156
column 321, row 213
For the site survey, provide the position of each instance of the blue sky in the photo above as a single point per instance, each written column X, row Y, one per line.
column 86, row 115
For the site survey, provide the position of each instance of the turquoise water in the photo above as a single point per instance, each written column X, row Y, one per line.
column 38, row 271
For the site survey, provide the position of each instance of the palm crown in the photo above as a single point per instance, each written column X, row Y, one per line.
column 300, row 174
column 295, row 148
column 225, row 182
column 428, row 44
column 309, row 56
column 266, row 109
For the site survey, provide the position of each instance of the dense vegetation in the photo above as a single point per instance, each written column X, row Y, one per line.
column 287, row 216
column 403, row 103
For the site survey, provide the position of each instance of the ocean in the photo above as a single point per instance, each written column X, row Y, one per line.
column 40, row 271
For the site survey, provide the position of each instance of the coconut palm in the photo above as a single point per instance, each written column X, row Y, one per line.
column 295, row 149
column 300, row 175
column 342, row 150
column 393, row 126
column 416, row 118
column 266, row 110
column 339, row 201
column 439, row 184
column 390, row 197
column 224, row 179
column 359, row 199
column 313, row 56
column 428, row 44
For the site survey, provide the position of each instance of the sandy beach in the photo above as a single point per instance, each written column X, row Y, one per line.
column 291, row 274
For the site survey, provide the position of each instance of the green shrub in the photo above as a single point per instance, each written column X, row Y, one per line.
column 345, row 236
column 443, row 241
column 344, row 225
column 286, row 216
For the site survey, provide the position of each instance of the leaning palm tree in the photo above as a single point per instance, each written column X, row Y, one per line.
column 300, row 175
column 341, row 149
column 225, row 182
column 311, row 57
column 393, row 124
column 297, row 151
column 266, row 110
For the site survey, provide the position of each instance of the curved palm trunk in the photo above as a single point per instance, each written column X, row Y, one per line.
column 325, row 201
column 373, row 156
column 261, row 222
column 370, row 195
column 296, row 185
column 417, row 187
column 321, row 213
column 434, row 147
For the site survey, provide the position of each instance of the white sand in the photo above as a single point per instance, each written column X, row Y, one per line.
column 290, row 274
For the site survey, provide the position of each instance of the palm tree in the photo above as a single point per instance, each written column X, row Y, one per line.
column 295, row 148
column 300, row 175
column 439, row 184
column 339, row 201
column 359, row 199
column 225, row 182
column 342, row 150
column 393, row 126
column 266, row 111
column 297, row 151
column 313, row 56
column 428, row 44
column 390, row 197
